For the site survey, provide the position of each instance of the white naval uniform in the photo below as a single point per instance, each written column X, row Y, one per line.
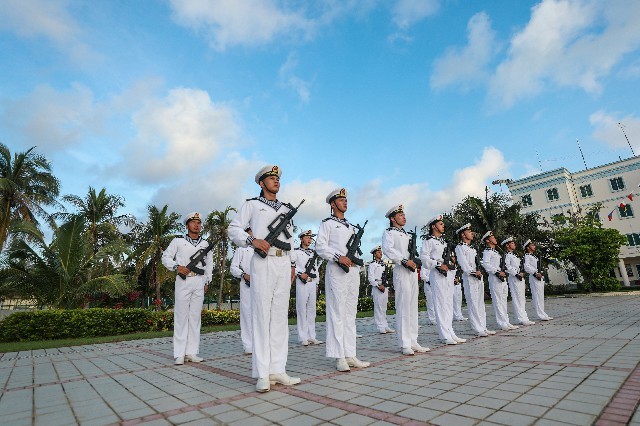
column 189, row 293
column 341, row 287
column 536, row 285
column 270, row 286
column 441, row 286
column 395, row 245
column 380, row 298
column 457, row 295
column 428, row 294
column 517, row 287
column 240, row 265
column 473, row 287
column 499, row 289
column 306, row 294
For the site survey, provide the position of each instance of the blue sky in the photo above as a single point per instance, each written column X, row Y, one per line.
column 411, row 102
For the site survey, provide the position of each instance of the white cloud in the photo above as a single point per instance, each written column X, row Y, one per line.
column 49, row 19
column 249, row 22
column 567, row 43
column 607, row 129
column 406, row 13
column 289, row 79
column 468, row 64
column 54, row 119
column 183, row 131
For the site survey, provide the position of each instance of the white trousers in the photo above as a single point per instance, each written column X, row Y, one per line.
column 342, row 305
column 406, row 284
column 537, row 296
column 306, row 309
column 442, row 289
column 431, row 314
column 499, row 293
column 187, row 315
column 245, row 316
column 518, row 299
column 270, row 287
column 474, row 295
column 380, row 302
column 457, row 302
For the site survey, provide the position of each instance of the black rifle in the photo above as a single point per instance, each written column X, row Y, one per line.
column 413, row 250
column 277, row 227
column 502, row 268
column 520, row 273
column 353, row 248
column 196, row 258
column 479, row 267
column 446, row 260
column 310, row 266
column 384, row 278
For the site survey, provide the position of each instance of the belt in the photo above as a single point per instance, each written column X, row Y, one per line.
column 191, row 274
column 273, row 251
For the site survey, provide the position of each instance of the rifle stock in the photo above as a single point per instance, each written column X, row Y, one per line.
column 353, row 248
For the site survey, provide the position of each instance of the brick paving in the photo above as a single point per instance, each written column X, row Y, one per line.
column 581, row 368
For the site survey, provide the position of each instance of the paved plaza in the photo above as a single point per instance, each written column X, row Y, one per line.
column 581, row 368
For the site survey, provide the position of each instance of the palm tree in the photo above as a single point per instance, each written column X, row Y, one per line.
column 26, row 186
column 59, row 274
column 100, row 212
column 150, row 239
column 217, row 225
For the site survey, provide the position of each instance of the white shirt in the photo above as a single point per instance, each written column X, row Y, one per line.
column 241, row 262
column 180, row 251
column 432, row 251
column 374, row 273
column 512, row 264
column 395, row 245
column 531, row 264
column 257, row 214
column 466, row 256
column 301, row 256
column 491, row 261
column 333, row 236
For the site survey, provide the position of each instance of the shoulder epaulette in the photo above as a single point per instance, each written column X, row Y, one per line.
column 250, row 199
column 324, row 220
column 178, row 236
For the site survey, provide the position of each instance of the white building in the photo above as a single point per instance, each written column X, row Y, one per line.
column 560, row 191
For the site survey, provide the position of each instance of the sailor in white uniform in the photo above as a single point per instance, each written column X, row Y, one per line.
column 189, row 291
column 306, row 289
column 241, row 268
column 516, row 282
column 379, row 292
column 341, row 287
column 271, row 279
column 532, row 266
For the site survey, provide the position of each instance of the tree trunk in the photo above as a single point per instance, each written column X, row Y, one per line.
column 153, row 280
column 4, row 227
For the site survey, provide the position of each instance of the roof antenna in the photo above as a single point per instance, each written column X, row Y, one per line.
column 625, row 136
column 583, row 160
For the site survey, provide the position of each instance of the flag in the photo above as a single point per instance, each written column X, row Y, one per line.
column 610, row 215
column 622, row 206
column 630, row 196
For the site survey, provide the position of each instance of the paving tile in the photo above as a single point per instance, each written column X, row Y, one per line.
column 570, row 417
column 452, row 419
column 420, row 413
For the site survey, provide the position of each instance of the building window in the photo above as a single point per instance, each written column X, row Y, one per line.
column 633, row 240
column 552, row 194
column 586, row 191
column 526, row 200
column 638, row 269
column 629, row 270
column 617, row 184
column 625, row 211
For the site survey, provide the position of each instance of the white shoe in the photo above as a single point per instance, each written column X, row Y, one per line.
column 389, row 330
column 383, row 331
column 459, row 340
column 420, row 349
column 316, row 341
column 482, row 334
column 407, row 351
column 248, row 351
column 549, row 318
column 355, row 362
column 527, row 323
column 544, row 319
column 513, row 327
column 283, row 379
column 490, row 332
column 193, row 358
column 341, row 365
column 179, row 360
column 462, row 319
column 506, row 328
column 263, row 385
column 305, row 343
column 450, row 342
column 358, row 336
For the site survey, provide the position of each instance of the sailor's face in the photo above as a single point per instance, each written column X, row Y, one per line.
column 271, row 184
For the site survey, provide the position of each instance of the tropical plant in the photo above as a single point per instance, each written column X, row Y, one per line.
column 149, row 240
column 58, row 274
column 26, row 187
column 216, row 226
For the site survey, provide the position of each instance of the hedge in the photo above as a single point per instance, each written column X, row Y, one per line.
column 63, row 324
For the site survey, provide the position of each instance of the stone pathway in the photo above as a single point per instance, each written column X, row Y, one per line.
column 581, row 368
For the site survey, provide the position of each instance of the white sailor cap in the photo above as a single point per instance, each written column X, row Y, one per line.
column 526, row 243
column 269, row 170
column 307, row 233
column 487, row 235
column 192, row 216
column 434, row 219
column 375, row 249
column 507, row 240
column 393, row 210
column 336, row 193
column 463, row 227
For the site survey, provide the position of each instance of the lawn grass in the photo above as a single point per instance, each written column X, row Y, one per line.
column 48, row 344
